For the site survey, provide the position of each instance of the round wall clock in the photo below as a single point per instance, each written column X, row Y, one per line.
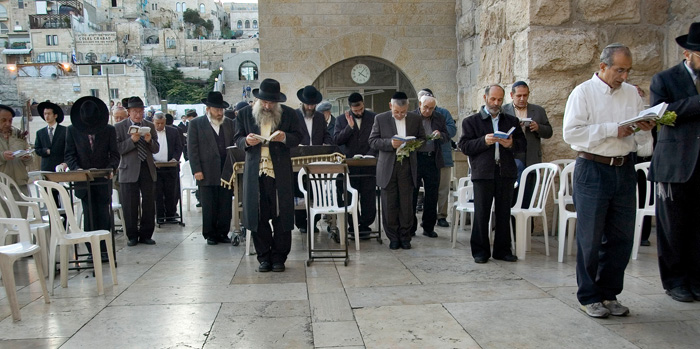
column 360, row 73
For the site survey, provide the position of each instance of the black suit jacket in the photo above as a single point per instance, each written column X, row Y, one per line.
column 534, row 145
column 174, row 140
column 354, row 140
column 103, row 154
column 57, row 147
column 677, row 147
column 182, row 127
column 319, row 130
column 437, row 122
column 482, row 156
column 203, row 150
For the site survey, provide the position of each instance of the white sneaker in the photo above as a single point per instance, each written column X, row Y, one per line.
column 616, row 309
column 596, row 310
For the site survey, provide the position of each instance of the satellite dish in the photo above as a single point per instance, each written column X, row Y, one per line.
column 129, row 62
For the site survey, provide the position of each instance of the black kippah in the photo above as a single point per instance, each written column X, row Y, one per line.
column 399, row 95
column 519, row 83
column 354, row 98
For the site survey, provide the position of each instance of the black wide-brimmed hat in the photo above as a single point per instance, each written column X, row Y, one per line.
column 240, row 105
column 56, row 109
column 215, row 99
column 691, row 41
column 135, row 102
column 125, row 103
column 309, row 95
column 89, row 114
column 269, row 91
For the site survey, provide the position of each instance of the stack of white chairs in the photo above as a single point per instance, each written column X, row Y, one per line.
column 187, row 182
column 648, row 209
column 555, row 194
column 567, row 218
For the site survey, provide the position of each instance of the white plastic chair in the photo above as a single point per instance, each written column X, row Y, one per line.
column 324, row 200
column 545, row 173
column 463, row 205
column 649, row 208
column 35, row 224
column 72, row 235
column 11, row 253
column 567, row 218
column 187, row 181
column 117, row 206
column 555, row 194
column 454, row 195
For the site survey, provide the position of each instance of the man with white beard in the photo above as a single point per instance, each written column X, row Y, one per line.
column 208, row 137
column 268, row 183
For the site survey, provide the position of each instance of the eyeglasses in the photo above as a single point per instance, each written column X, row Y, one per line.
column 695, row 53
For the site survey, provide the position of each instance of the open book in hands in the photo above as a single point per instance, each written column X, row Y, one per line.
column 649, row 114
column 403, row 139
column 140, row 130
column 504, row 135
column 266, row 140
column 23, row 152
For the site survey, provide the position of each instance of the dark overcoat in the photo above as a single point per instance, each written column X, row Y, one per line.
column 281, row 161
column 203, row 149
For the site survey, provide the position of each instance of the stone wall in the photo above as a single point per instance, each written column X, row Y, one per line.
column 554, row 45
column 299, row 39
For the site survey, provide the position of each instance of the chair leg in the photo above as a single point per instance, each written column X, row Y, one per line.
column 453, row 235
column 97, row 264
column 112, row 260
column 342, row 224
column 39, row 262
column 546, row 234
column 52, row 266
column 561, row 238
column 8, row 279
column 356, row 225
column 64, row 266
column 248, row 237
column 637, row 234
column 521, row 236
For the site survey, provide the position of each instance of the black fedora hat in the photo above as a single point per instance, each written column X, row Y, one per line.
column 269, row 91
column 691, row 41
column 89, row 114
column 135, row 102
column 56, row 109
column 309, row 95
column 125, row 103
column 215, row 99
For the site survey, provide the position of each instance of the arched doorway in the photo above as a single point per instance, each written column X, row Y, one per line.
column 375, row 78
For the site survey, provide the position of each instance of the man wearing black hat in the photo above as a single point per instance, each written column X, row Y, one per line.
column 207, row 139
column 675, row 166
column 397, row 178
column 50, row 141
column 268, row 183
column 314, row 131
column 92, row 143
column 352, row 135
column 11, row 140
column 137, row 173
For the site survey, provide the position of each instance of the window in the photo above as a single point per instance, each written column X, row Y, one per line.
column 170, row 43
column 20, row 3
column 247, row 24
column 154, row 7
column 233, row 50
column 184, row 7
column 50, row 57
column 114, row 3
column 3, row 12
column 95, row 92
column 239, row 25
column 201, row 8
column 51, row 40
column 178, row 7
column 113, row 69
column 113, row 93
column 248, row 71
column 255, row 24
column 3, row 29
column 194, row 48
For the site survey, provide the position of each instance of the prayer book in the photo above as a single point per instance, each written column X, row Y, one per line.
column 504, row 135
column 649, row 114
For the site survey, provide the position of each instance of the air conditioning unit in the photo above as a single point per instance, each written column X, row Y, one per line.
column 18, row 28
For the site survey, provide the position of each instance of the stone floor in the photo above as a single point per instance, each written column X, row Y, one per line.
column 183, row 293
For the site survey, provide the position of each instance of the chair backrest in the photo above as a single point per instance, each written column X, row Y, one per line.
column 561, row 163
column 544, row 177
column 7, row 180
column 9, row 200
column 464, row 195
column 651, row 187
column 566, row 185
column 19, row 226
column 463, row 181
column 186, row 176
column 324, row 187
column 45, row 188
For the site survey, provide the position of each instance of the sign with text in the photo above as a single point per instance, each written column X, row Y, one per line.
column 105, row 38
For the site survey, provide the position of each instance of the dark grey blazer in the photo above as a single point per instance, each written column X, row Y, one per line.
column 57, row 147
column 203, row 150
column 534, row 146
column 678, row 147
column 130, row 165
column 380, row 139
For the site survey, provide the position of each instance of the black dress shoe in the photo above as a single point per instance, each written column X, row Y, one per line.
column 265, row 267
column 680, row 293
column 480, row 260
column 406, row 245
column 430, row 234
column 364, row 228
column 443, row 223
column 394, row 245
column 278, row 267
column 148, row 241
column 224, row 239
column 644, row 243
column 508, row 258
column 132, row 242
column 212, row 241
column 199, row 204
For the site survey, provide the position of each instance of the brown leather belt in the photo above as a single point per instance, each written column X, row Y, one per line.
column 610, row 161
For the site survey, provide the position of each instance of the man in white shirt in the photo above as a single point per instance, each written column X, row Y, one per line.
column 167, row 188
column 604, row 180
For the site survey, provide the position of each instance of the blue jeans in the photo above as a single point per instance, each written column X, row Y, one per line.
column 605, row 202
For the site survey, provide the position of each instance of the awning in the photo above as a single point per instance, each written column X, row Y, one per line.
column 16, row 51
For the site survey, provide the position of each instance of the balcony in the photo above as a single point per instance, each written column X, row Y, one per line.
column 77, row 5
column 50, row 21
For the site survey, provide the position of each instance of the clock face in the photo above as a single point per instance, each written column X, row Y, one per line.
column 360, row 73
